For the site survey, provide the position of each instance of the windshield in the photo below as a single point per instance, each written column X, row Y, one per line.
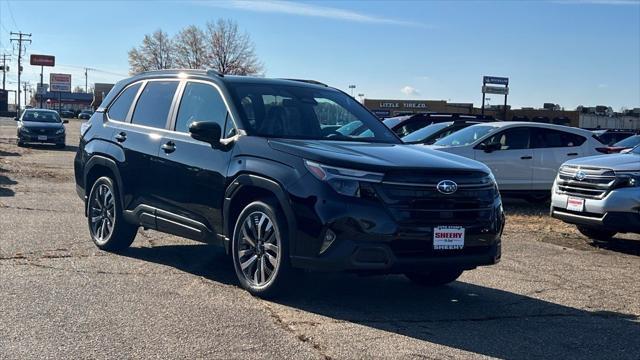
column 629, row 142
column 41, row 116
column 465, row 136
column 300, row 112
column 636, row 150
column 422, row 134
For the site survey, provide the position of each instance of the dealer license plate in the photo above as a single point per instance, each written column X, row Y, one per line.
column 575, row 204
column 448, row 237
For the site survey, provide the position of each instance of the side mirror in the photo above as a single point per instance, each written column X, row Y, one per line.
column 16, row 118
column 491, row 147
column 207, row 131
column 65, row 121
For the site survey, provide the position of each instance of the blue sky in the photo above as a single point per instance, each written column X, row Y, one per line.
column 567, row 52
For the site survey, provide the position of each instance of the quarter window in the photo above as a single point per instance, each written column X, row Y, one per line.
column 120, row 108
column 200, row 102
column 154, row 103
column 548, row 138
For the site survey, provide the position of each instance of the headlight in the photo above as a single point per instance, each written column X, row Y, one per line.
column 628, row 179
column 343, row 181
column 60, row 131
column 24, row 130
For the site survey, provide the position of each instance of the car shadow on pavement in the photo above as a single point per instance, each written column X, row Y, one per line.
column 69, row 148
column 625, row 246
column 5, row 180
column 462, row 315
column 200, row 259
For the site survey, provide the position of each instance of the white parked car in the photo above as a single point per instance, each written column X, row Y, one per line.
column 523, row 156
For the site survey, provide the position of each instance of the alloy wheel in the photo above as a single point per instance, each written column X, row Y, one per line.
column 258, row 249
column 102, row 213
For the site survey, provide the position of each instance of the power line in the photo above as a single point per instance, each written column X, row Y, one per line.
column 11, row 13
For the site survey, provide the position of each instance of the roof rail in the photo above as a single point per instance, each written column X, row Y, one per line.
column 169, row 71
column 314, row 82
column 212, row 72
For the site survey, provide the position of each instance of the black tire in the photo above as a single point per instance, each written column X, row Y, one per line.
column 596, row 234
column 120, row 234
column 264, row 283
column 434, row 278
column 20, row 143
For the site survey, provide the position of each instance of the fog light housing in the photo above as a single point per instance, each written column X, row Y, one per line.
column 328, row 239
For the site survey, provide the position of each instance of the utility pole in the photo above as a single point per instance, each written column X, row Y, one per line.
column 4, row 69
column 86, row 81
column 21, row 38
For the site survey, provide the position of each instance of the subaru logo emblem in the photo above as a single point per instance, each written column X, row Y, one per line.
column 447, row 187
column 580, row 175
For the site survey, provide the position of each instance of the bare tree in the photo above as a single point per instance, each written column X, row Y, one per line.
column 155, row 53
column 78, row 89
column 231, row 51
column 190, row 48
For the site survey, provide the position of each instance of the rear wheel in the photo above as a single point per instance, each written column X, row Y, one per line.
column 260, row 250
column 108, row 229
column 434, row 278
column 596, row 234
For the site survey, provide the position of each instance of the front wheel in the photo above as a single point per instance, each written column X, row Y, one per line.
column 109, row 231
column 260, row 250
column 434, row 278
column 596, row 234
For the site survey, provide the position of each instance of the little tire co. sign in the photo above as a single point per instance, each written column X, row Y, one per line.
column 60, row 82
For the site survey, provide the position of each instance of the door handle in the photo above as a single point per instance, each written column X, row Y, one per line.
column 526, row 157
column 120, row 137
column 169, row 147
column 572, row 154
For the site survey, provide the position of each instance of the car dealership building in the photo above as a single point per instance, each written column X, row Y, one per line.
column 385, row 108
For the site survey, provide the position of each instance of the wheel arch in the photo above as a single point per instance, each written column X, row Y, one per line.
column 96, row 167
column 246, row 188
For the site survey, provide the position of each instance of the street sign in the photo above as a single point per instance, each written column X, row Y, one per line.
column 42, row 88
column 495, row 90
column 60, row 82
column 43, row 60
column 495, row 80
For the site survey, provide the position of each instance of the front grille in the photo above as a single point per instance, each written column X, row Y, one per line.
column 42, row 131
column 416, row 202
column 595, row 185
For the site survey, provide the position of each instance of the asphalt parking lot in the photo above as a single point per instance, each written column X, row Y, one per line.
column 554, row 295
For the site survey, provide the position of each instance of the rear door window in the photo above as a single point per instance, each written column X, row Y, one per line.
column 548, row 138
column 154, row 103
column 120, row 108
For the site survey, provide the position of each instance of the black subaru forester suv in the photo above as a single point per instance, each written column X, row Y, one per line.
column 255, row 165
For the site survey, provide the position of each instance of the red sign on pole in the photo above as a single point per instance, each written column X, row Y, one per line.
column 43, row 60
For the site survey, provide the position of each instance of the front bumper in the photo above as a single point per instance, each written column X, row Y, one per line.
column 373, row 237
column 618, row 211
column 50, row 139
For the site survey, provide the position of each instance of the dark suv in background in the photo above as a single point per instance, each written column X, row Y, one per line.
column 244, row 163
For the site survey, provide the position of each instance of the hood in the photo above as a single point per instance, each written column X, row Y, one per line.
column 616, row 162
column 373, row 156
column 41, row 125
